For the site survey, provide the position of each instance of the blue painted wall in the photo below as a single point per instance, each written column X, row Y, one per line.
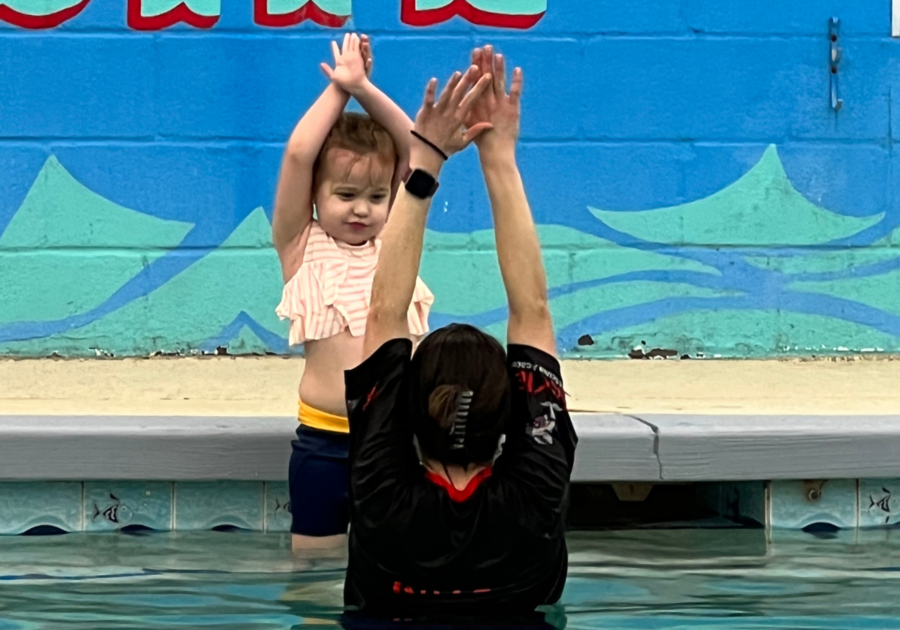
column 630, row 108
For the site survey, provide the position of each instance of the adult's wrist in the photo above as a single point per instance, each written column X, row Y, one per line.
column 497, row 153
column 425, row 158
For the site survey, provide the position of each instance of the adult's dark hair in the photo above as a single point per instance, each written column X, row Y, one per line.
column 459, row 373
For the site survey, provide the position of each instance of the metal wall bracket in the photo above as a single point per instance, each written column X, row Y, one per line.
column 834, row 31
column 895, row 18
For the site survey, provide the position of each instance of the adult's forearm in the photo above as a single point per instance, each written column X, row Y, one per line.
column 398, row 264
column 518, row 247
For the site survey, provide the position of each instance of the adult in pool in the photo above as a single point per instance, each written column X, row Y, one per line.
column 441, row 525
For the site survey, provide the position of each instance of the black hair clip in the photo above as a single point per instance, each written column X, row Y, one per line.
column 458, row 427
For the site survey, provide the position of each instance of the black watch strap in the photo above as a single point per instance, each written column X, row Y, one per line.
column 420, row 184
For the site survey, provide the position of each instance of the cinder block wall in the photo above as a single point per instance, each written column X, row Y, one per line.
column 696, row 193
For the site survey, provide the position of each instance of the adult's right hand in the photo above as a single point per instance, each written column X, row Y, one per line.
column 442, row 122
column 497, row 106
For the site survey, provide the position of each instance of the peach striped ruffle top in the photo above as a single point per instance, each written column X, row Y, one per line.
column 332, row 290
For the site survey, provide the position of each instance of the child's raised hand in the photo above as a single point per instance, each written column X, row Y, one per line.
column 365, row 48
column 351, row 64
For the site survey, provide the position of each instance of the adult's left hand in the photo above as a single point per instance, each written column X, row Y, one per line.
column 442, row 121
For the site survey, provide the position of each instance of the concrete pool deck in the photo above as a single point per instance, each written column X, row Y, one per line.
column 231, row 418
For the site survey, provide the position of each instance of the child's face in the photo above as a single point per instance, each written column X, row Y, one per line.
column 354, row 196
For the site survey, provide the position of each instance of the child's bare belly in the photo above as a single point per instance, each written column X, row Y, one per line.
column 322, row 383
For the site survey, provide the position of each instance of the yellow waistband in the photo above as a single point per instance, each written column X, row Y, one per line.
column 322, row 420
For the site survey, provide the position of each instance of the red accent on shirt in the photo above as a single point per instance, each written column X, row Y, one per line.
column 372, row 396
column 459, row 495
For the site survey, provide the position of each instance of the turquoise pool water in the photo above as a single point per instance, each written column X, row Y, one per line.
column 662, row 579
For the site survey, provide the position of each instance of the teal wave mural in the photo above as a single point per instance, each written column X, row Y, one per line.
column 754, row 270
column 762, row 208
column 66, row 250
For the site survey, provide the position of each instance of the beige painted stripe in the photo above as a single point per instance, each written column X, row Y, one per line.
column 267, row 386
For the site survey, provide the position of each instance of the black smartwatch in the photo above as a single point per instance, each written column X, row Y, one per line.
column 420, row 184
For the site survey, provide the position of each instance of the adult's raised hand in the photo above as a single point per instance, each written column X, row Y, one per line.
column 502, row 109
column 441, row 120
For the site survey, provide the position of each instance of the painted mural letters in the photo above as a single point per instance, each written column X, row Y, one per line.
column 40, row 15
column 154, row 15
column 281, row 13
column 504, row 13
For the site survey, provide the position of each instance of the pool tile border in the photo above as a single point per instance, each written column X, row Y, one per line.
column 104, row 506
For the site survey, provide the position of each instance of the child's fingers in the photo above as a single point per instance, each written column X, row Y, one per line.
column 354, row 43
column 499, row 76
column 366, row 52
column 335, row 51
column 515, row 92
column 476, row 57
column 346, row 47
column 327, row 70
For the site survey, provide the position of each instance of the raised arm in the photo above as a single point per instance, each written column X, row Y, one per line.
column 293, row 196
column 351, row 73
column 401, row 250
column 518, row 248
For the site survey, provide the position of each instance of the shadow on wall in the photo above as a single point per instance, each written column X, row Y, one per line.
column 83, row 276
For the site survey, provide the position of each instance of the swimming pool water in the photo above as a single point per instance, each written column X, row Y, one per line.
column 655, row 579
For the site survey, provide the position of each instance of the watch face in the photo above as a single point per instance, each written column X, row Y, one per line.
column 420, row 184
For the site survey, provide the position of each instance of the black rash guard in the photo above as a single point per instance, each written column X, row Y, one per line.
column 420, row 548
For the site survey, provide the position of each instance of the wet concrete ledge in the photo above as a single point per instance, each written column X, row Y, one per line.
column 613, row 447
column 232, row 418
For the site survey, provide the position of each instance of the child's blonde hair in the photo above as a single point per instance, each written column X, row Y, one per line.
column 361, row 135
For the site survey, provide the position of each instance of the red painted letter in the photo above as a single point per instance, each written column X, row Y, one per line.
column 520, row 13
column 141, row 20
column 335, row 15
column 35, row 15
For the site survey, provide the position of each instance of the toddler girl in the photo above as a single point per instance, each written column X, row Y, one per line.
column 347, row 167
